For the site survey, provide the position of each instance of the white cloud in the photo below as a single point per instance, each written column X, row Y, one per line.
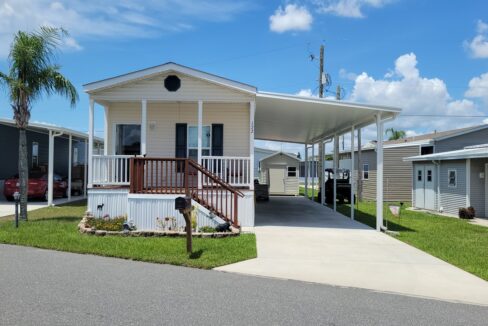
column 110, row 18
column 478, row 46
column 478, row 87
column 305, row 92
column 348, row 8
column 292, row 18
column 485, row 121
column 344, row 74
column 416, row 95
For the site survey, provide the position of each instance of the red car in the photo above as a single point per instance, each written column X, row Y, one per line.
column 37, row 186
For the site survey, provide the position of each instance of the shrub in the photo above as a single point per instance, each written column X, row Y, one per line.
column 467, row 213
column 114, row 224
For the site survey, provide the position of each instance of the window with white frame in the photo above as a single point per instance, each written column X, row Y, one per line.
column 365, row 171
column 128, row 139
column 452, row 178
column 193, row 141
column 292, row 171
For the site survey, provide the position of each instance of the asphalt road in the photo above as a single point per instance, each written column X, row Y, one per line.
column 42, row 287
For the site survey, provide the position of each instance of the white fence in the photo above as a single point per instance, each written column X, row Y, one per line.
column 236, row 171
column 111, row 169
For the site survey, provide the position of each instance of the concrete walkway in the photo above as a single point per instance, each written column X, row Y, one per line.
column 7, row 208
column 301, row 240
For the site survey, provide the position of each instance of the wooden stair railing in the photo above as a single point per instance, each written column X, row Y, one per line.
column 185, row 176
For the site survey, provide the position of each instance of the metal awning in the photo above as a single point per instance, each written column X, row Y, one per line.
column 477, row 152
column 299, row 119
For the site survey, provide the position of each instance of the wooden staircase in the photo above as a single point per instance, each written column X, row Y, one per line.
column 185, row 176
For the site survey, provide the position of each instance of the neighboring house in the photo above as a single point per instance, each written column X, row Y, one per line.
column 39, row 136
column 260, row 153
column 397, row 180
column 281, row 172
column 172, row 131
column 447, row 181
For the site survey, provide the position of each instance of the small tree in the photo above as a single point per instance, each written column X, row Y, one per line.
column 31, row 75
column 395, row 134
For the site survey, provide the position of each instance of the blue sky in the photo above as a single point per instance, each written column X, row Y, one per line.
column 428, row 57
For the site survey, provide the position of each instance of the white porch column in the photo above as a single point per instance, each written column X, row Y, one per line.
column 200, row 130
column 70, row 164
column 322, row 180
column 334, row 163
column 306, row 171
column 351, row 173
column 314, row 171
column 50, row 169
column 105, row 136
column 85, row 170
column 379, row 172
column 91, row 110
column 252, row 110
column 143, row 127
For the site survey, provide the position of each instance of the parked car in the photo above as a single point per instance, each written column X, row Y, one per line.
column 37, row 186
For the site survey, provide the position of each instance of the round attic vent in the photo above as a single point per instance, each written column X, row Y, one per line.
column 172, row 83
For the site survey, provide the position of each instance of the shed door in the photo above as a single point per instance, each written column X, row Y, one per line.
column 277, row 180
column 429, row 186
column 419, row 186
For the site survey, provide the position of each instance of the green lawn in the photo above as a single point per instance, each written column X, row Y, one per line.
column 453, row 240
column 56, row 228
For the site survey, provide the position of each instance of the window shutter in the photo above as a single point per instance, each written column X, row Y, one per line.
column 181, row 134
column 217, row 139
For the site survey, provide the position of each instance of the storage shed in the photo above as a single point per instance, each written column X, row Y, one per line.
column 281, row 172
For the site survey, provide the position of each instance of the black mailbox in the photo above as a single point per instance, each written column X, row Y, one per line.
column 182, row 202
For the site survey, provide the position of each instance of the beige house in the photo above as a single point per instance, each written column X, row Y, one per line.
column 172, row 131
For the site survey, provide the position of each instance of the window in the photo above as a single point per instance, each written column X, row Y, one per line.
column 193, row 141
column 365, row 171
column 426, row 150
column 292, row 171
column 452, row 178
column 419, row 175
column 35, row 154
column 429, row 175
column 128, row 139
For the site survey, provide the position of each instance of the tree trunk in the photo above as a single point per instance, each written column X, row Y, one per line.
column 23, row 173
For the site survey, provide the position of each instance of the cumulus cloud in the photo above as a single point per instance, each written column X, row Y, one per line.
column 348, row 8
column 478, row 87
column 305, row 92
column 478, row 46
column 291, row 18
column 110, row 18
column 416, row 95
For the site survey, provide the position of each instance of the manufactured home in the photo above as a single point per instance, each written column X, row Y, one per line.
column 281, row 172
column 172, row 131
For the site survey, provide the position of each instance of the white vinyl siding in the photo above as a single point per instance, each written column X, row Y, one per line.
column 192, row 89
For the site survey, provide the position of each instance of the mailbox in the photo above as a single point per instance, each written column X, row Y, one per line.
column 182, row 203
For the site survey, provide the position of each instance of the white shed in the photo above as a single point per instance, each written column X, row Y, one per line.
column 281, row 172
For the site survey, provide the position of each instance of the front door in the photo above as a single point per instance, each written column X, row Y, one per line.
column 277, row 180
column 419, row 186
column 429, row 186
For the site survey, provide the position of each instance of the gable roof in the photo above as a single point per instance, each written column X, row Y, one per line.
column 166, row 67
column 281, row 153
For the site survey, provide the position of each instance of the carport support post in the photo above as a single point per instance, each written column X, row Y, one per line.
column 379, row 173
column 70, row 164
column 314, row 171
column 351, row 173
column 91, row 132
column 50, row 173
column 336, row 156
column 306, row 171
column 322, row 181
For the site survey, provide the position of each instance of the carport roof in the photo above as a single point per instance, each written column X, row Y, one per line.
column 299, row 119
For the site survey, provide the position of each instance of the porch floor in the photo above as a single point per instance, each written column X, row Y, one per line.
column 302, row 240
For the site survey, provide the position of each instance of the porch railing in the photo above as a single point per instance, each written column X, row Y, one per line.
column 235, row 171
column 184, row 176
column 111, row 170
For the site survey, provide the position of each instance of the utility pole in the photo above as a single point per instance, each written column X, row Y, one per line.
column 338, row 98
column 321, row 72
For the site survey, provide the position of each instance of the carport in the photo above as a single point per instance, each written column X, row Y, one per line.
column 313, row 122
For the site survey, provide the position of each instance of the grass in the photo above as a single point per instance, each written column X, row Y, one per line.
column 453, row 240
column 56, row 228
column 301, row 192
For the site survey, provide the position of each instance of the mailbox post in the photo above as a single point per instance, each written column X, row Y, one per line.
column 183, row 205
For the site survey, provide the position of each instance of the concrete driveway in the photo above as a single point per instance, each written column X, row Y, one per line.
column 301, row 240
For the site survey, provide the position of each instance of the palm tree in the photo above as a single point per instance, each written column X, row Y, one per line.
column 32, row 74
column 395, row 134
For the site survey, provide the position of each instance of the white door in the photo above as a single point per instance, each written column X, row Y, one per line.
column 419, row 186
column 277, row 180
column 429, row 186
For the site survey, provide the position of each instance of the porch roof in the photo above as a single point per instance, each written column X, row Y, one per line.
column 299, row 119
